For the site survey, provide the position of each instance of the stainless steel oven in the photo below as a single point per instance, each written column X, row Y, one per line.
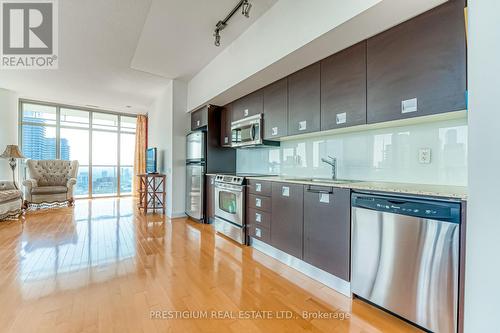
column 230, row 207
column 248, row 132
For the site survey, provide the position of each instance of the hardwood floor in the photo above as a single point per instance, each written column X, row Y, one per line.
column 102, row 266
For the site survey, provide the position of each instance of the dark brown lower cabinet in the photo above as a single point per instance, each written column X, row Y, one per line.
column 327, row 231
column 210, row 198
column 287, row 218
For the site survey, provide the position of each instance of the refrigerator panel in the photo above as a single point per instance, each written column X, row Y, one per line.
column 195, row 183
column 195, row 146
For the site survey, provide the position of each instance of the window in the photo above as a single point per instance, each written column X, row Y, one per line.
column 103, row 143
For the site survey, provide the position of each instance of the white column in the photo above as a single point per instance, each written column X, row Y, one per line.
column 482, row 282
column 8, row 127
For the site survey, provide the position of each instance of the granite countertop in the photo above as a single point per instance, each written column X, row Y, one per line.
column 444, row 191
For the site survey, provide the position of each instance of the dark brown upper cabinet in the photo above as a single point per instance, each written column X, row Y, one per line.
column 225, row 130
column 248, row 105
column 199, row 118
column 304, row 105
column 327, row 229
column 287, row 218
column 276, row 109
column 343, row 88
column 418, row 67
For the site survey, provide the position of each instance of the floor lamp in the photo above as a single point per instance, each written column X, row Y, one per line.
column 12, row 153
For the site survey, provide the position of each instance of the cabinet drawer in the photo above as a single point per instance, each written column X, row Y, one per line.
column 259, row 187
column 259, row 218
column 259, row 232
column 259, row 202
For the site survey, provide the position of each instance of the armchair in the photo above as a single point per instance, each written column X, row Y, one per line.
column 10, row 200
column 50, row 182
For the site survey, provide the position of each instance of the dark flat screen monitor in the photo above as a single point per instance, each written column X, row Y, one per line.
column 151, row 166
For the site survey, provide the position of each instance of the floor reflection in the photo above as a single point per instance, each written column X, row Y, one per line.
column 91, row 242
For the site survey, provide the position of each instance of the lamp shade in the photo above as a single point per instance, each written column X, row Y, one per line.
column 12, row 151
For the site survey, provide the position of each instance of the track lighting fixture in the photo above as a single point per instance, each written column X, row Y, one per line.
column 245, row 6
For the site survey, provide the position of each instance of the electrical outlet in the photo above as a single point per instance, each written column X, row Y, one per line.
column 424, row 155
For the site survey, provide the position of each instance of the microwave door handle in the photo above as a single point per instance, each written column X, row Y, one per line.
column 253, row 132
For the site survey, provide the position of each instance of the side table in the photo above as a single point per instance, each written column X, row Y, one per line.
column 152, row 191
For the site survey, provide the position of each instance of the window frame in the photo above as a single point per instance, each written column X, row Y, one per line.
column 90, row 129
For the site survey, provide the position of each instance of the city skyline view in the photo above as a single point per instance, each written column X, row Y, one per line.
column 105, row 175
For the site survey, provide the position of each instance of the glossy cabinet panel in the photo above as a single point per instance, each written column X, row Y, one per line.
column 304, row 100
column 327, row 229
column 418, row 67
column 343, row 88
column 199, row 118
column 225, row 129
column 248, row 105
column 287, row 218
column 276, row 110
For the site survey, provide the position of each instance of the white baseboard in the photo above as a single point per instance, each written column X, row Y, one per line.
column 175, row 215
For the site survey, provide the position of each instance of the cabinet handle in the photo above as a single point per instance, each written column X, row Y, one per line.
column 197, row 123
column 258, row 187
column 274, row 131
column 285, row 191
column 245, row 112
column 302, row 125
column 258, row 232
column 226, row 139
column 341, row 118
column 258, row 202
column 258, row 217
column 409, row 105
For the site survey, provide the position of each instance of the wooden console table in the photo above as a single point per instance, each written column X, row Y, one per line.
column 152, row 191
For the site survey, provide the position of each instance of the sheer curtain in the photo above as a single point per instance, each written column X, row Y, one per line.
column 141, row 143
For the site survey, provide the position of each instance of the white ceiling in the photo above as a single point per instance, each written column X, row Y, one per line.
column 177, row 39
column 101, row 40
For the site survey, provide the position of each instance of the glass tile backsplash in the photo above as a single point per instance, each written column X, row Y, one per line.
column 389, row 154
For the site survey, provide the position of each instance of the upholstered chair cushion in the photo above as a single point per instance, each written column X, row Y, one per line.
column 10, row 200
column 52, row 172
column 50, row 181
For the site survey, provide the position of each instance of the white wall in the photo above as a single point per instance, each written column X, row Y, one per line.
column 168, row 126
column 482, row 287
column 389, row 154
column 291, row 35
column 8, row 127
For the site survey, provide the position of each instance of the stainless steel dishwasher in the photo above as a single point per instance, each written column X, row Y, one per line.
column 405, row 257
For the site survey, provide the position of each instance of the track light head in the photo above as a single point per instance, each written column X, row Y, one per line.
column 217, row 37
column 245, row 8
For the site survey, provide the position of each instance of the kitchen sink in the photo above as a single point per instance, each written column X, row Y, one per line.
column 323, row 180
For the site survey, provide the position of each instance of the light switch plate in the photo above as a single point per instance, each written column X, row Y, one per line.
column 424, row 155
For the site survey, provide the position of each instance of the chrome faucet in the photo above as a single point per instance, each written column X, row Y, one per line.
column 333, row 163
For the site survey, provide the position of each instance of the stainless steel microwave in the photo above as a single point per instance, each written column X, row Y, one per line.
column 248, row 132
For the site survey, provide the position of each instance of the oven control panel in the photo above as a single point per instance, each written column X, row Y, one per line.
column 229, row 179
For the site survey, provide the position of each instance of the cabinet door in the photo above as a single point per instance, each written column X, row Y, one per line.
column 304, row 100
column 287, row 218
column 418, row 67
column 248, row 105
column 225, row 128
column 199, row 118
column 343, row 88
column 210, row 198
column 276, row 110
column 327, row 229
